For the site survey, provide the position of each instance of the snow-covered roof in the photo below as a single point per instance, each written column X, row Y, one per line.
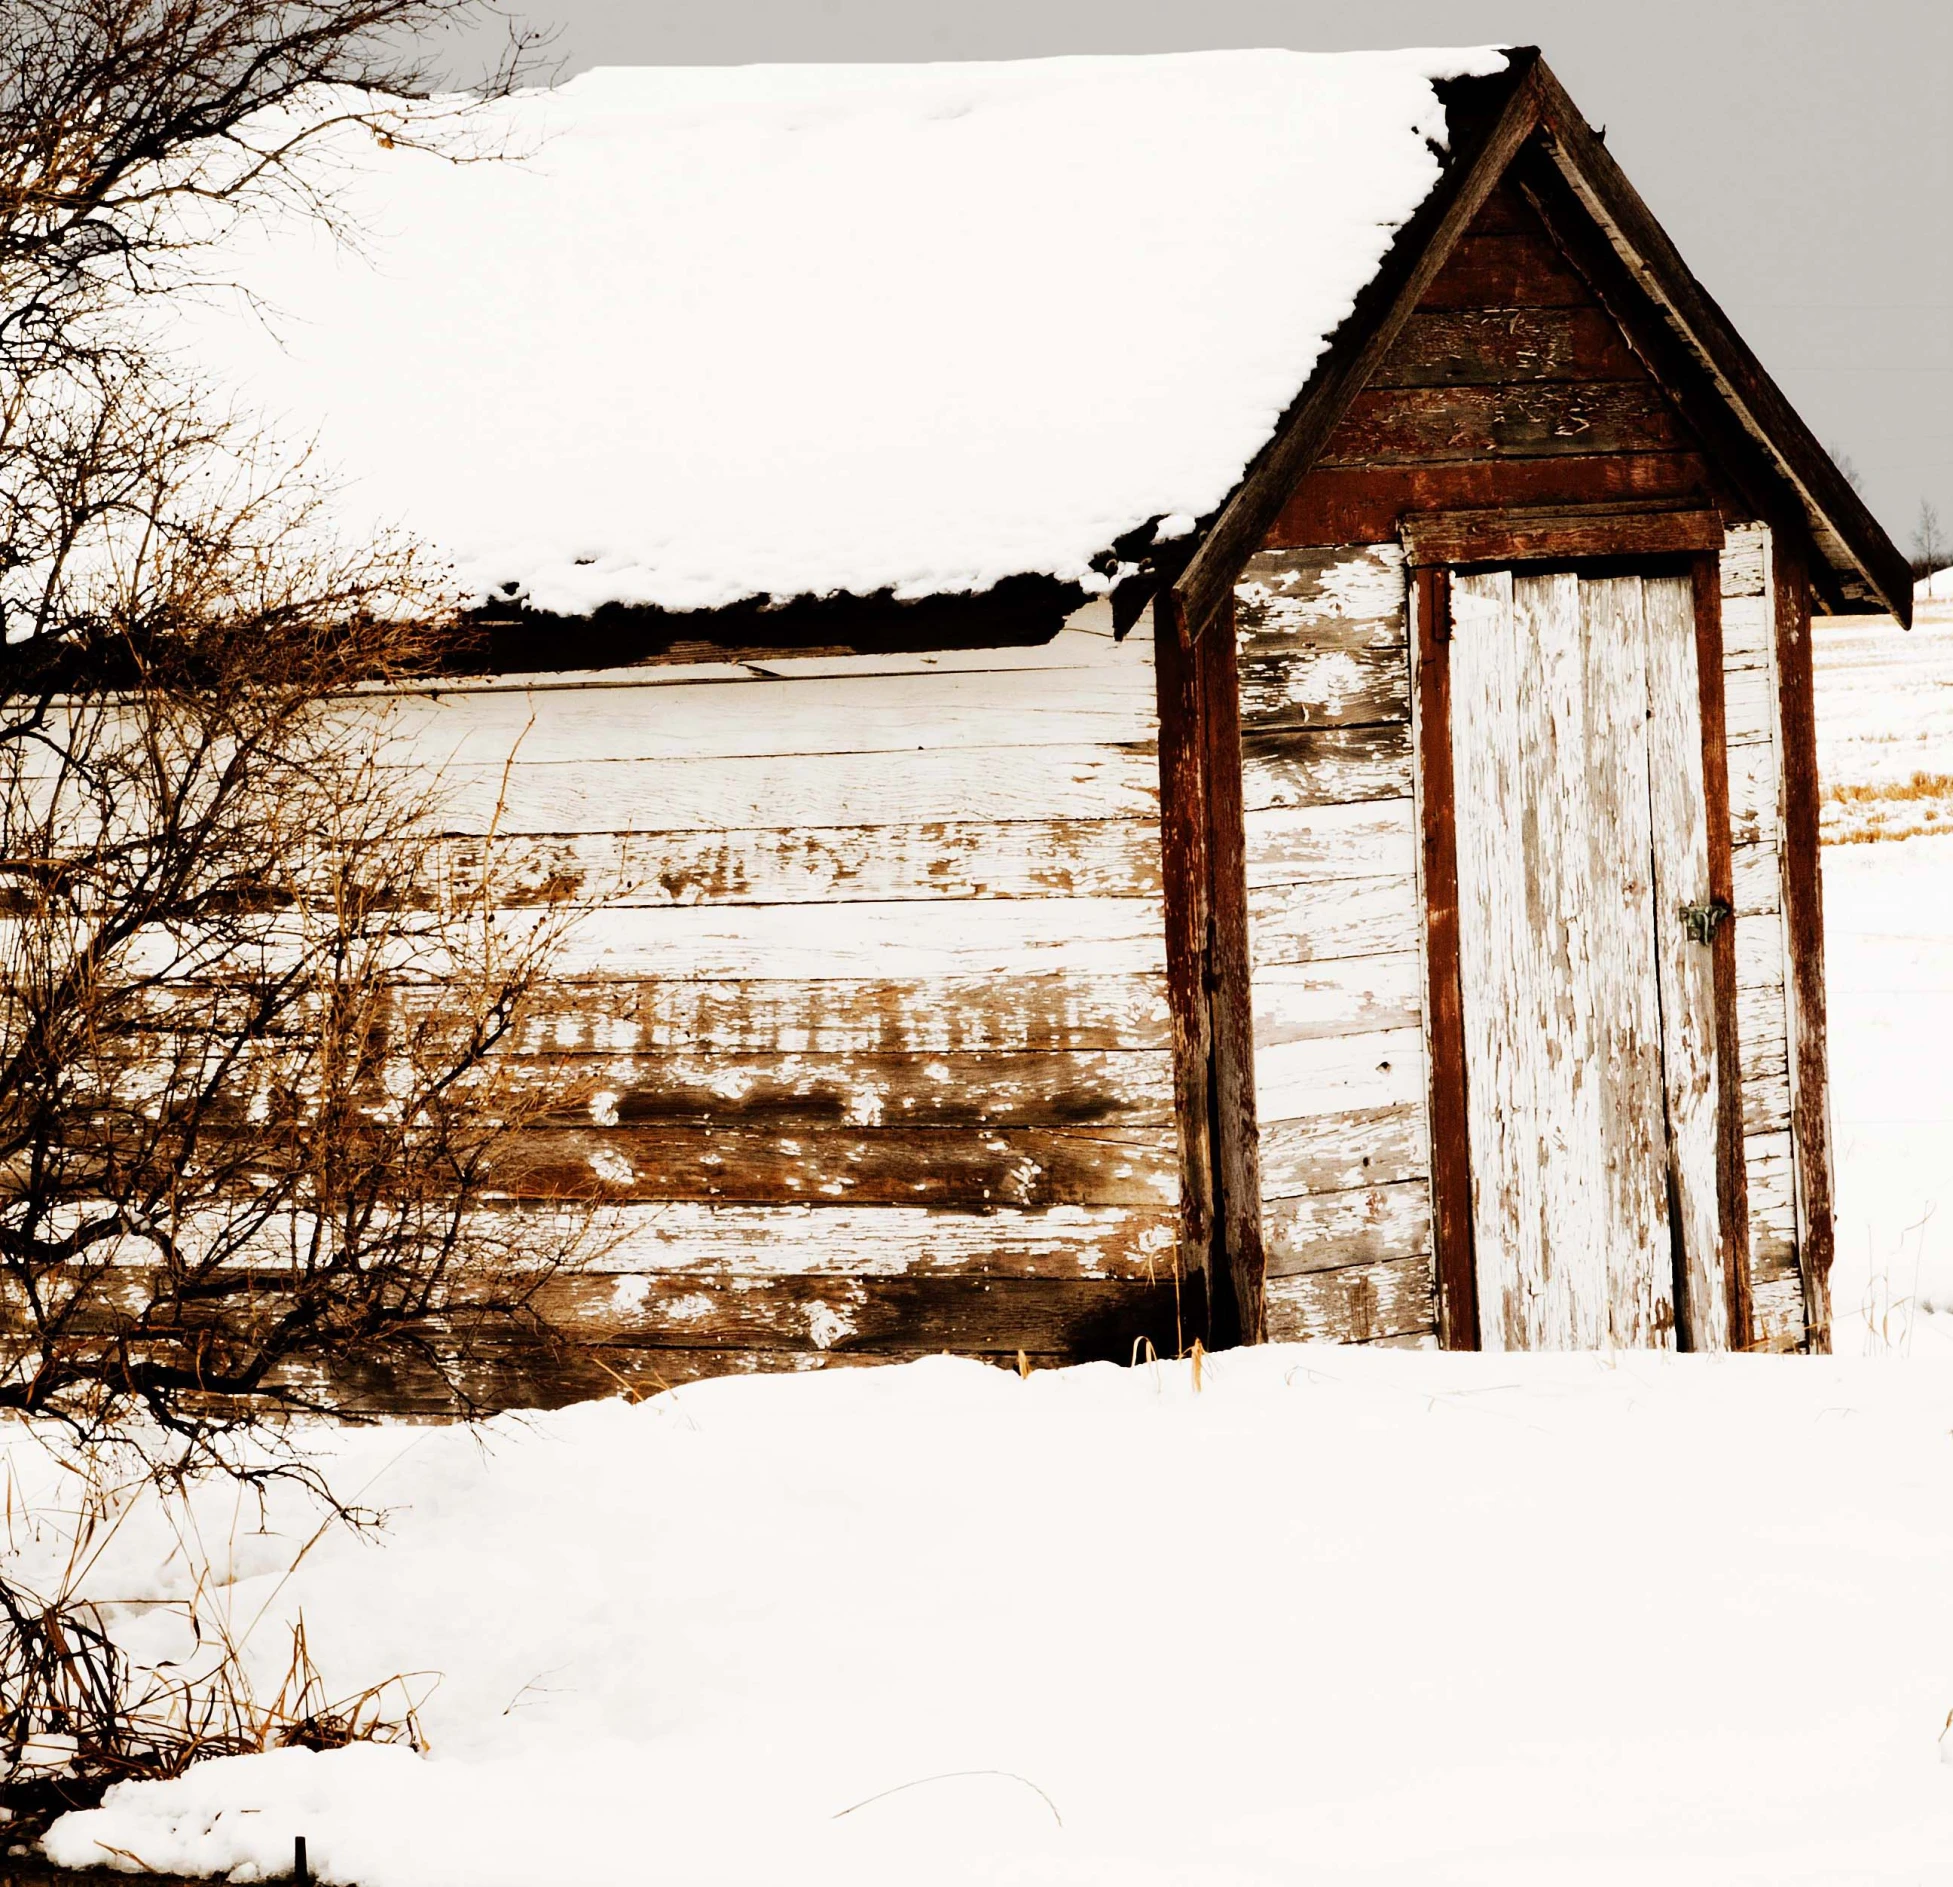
column 716, row 333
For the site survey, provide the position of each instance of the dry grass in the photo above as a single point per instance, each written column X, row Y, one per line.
column 78, row 1714
column 1907, row 809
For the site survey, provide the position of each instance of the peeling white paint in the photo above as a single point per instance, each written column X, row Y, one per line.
column 826, row 1325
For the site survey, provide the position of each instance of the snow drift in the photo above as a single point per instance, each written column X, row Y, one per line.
column 1340, row 1615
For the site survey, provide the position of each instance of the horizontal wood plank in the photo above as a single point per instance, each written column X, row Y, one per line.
column 660, row 1333
column 989, row 937
column 1513, row 269
column 1751, row 698
column 780, row 1091
column 1324, row 766
column 1503, row 346
column 1360, row 1146
column 1539, row 534
column 1308, row 844
column 1753, row 803
column 1759, row 954
column 1336, row 1074
column 1335, row 996
column 1758, row 877
column 1766, row 1100
column 1341, row 595
column 1359, row 917
column 1547, row 419
column 1777, row 1314
column 1373, row 1224
column 964, row 858
column 1769, row 1166
column 1748, row 632
column 1760, row 1029
column 760, row 716
column 976, row 1168
column 1358, row 1304
column 1743, row 567
column 773, row 792
column 1054, row 1010
column 1325, row 687
column 962, row 1312
column 1365, row 504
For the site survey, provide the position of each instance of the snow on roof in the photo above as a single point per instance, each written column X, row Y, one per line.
column 716, row 333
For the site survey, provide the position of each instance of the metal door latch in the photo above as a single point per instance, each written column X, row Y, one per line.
column 1702, row 921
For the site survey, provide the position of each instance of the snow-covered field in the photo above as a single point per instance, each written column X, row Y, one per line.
column 1341, row 1616
column 1885, row 734
column 1332, row 1615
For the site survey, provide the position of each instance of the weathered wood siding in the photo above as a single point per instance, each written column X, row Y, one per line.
column 1510, row 385
column 1334, row 929
column 863, row 1042
column 1513, row 385
column 1756, row 830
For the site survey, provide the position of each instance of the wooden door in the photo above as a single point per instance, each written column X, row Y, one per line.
column 1585, row 967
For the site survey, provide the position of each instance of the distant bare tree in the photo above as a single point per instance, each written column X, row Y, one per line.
column 1931, row 549
column 1848, row 466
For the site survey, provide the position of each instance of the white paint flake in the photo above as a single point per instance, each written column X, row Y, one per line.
column 826, row 1325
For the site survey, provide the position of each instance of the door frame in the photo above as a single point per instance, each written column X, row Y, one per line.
column 1435, row 544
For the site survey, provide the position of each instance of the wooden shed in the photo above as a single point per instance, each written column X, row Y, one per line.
column 1374, row 899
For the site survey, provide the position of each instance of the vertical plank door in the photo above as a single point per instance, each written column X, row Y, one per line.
column 1589, row 1030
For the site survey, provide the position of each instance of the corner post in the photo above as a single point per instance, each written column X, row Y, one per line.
column 1810, row 1090
column 1230, row 980
column 1184, row 882
column 1451, row 1174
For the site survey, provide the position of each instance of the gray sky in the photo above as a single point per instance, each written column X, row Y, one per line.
column 1800, row 152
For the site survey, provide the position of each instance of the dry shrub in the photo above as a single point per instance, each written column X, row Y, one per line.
column 78, row 1714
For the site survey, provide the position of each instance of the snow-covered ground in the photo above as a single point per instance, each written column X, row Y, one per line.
column 1334, row 1615
column 1341, row 1616
column 1885, row 733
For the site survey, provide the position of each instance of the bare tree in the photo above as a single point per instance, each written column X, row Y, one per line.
column 1931, row 548
column 257, row 1121
column 244, row 1152
column 1848, row 466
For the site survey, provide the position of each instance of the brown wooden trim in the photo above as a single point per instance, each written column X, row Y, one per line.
column 1185, row 884
column 1558, row 531
column 1832, row 509
column 1803, row 895
column 1236, row 1153
column 1732, row 1182
column 1760, row 489
column 1366, row 505
column 1451, row 1176
column 1354, row 353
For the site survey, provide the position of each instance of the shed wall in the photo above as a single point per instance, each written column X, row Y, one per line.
column 863, row 1042
column 1511, row 385
column 1335, row 925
